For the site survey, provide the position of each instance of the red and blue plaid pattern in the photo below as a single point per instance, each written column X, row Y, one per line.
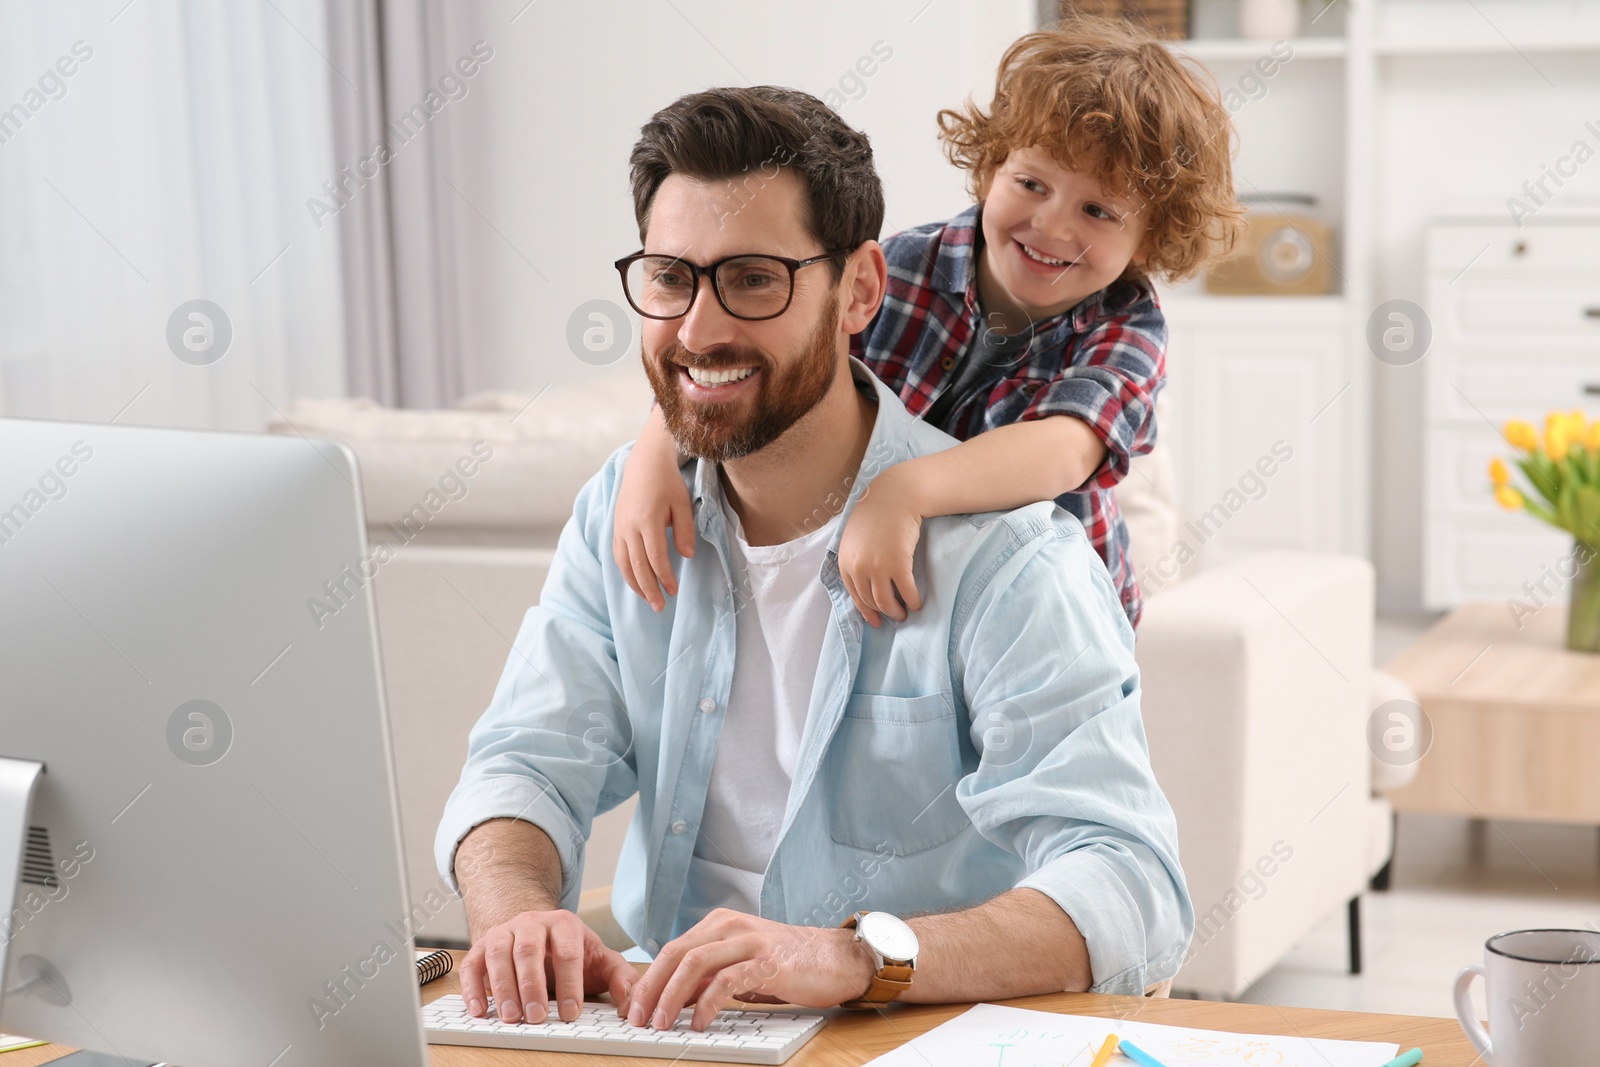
column 1103, row 362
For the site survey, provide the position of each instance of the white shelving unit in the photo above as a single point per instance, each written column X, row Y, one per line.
column 1226, row 49
column 1251, row 373
column 1395, row 114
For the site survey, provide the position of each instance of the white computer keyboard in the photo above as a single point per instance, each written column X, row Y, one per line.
column 733, row 1037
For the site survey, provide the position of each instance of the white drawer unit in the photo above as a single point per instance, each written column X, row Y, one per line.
column 1516, row 333
column 1262, row 397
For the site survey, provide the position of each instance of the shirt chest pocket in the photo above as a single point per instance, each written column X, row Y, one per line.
column 894, row 763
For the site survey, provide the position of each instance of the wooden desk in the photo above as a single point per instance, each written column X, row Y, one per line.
column 853, row 1038
column 1515, row 716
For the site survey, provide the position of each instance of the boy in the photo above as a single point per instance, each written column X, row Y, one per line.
column 1026, row 326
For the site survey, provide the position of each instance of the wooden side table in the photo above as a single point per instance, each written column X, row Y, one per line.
column 1515, row 716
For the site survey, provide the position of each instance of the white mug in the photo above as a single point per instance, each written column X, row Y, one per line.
column 1543, row 991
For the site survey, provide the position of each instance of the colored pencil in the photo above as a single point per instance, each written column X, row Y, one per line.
column 1138, row 1055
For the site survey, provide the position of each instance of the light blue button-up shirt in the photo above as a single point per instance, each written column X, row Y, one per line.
column 993, row 740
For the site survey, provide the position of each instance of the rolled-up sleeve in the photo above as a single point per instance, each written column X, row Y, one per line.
column 1117, row 370
column 554, row 747
column 1045, row 664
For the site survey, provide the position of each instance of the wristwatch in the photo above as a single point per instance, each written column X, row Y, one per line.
column 894, row 949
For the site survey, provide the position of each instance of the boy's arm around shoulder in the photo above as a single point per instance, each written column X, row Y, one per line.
column 1077, row 431
column 1042, row 657
column 1003, row 468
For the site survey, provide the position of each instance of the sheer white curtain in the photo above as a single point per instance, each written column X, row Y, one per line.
column 173, row 163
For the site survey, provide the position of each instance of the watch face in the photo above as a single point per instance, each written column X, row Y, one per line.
column 889, row 936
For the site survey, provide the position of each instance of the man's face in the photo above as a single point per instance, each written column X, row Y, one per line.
column 1052, row 236
column 781, row 367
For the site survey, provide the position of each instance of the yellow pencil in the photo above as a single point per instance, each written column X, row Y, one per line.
column 1105, row 1052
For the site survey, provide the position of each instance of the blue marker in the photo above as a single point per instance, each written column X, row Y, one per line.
column 1406, row 1059
column 1138, row 1055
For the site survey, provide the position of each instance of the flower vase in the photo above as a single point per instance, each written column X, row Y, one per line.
column 1583, row 609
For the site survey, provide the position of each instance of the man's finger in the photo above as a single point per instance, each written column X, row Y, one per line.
column 528, row 956
column 566, row 961
column 694, row 972
column 648, row 989
column 618, row 975
column 742, row 981
column 502, row 977
column 472, row 975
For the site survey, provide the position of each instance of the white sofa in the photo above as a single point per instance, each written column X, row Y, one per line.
column 1256, row 675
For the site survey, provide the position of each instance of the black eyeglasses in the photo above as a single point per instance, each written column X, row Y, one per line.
column 749, row 287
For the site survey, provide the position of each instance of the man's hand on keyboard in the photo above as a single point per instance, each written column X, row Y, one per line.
column 518, row 961
column 729, row 954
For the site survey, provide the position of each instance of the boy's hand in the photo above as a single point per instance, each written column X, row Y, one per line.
column 651, row 498
column 876, row 550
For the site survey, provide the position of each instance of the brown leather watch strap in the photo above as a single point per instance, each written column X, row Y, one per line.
column 894, row 979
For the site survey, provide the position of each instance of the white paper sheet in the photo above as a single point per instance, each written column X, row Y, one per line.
column 990, row 1035
column 8, row 1042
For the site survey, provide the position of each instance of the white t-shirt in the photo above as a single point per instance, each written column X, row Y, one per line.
column 783, row 616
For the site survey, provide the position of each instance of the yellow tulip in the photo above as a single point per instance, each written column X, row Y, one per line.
column 1558, row 439
column 1592, row 438
column 1499, row 473
column 1570, row 421
column 1521, row 434
column 1508, row 498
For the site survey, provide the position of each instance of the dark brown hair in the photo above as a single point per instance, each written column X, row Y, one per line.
column 1106, row 98
column 747, row 135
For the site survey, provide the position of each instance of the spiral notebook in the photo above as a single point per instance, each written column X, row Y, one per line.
column 431, row 965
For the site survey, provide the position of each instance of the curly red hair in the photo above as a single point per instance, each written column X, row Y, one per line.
column 1107, row 99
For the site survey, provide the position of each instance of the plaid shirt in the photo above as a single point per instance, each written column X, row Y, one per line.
column 1103, row 362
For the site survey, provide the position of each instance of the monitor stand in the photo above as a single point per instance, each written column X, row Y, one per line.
column 17, row 779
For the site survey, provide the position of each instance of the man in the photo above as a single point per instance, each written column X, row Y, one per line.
column 969, row 790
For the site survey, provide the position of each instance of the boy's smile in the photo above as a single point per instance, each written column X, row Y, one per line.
column 1051, row 236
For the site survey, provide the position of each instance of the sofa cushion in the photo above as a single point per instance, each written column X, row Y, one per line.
column 541, row 449
column 1148, row 498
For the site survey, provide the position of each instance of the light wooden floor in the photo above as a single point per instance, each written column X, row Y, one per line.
column 1455, row 885
column 1456, row 882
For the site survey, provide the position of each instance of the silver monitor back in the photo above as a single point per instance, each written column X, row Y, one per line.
column 213, row 870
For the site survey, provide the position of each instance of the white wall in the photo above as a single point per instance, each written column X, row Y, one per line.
column 572, row 83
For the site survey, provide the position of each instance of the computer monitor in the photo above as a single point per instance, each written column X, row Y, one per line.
column 211, row 869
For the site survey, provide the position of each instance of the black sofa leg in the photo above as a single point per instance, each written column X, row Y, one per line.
column 1381, row 881
column 1355, row 934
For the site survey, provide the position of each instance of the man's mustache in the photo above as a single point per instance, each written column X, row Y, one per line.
column 721, row 358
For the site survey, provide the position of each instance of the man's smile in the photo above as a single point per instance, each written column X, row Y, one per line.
column 719, row 376
column 719, row 384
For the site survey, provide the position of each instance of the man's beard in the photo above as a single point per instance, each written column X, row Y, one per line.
column 718, row 433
